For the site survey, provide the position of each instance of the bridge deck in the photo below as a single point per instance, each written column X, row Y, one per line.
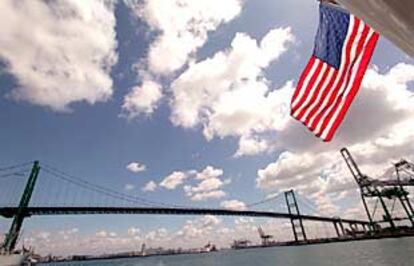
column 9, row 212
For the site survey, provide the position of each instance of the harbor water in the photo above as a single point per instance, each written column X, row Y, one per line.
column 385, row 252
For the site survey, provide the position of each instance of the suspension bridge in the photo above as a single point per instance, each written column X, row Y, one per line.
column 50, row 191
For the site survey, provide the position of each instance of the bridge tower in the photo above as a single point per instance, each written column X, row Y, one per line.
column 381, row 190
column 14, row 231
column 295, row 219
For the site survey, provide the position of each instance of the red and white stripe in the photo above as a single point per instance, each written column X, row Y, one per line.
column 324, row 94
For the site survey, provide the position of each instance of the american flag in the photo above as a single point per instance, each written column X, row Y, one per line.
column 343, row 48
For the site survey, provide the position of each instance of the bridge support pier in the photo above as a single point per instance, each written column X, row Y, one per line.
column 342, row 227
column 336, row 229
column 366, row 230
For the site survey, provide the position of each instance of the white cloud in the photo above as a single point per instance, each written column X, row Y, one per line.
column 136, row 167
column 160, row 233
column 210, row 220
column 203, row 196
column 149, row 186
column 209, row 173
column 275, row 173
column 129, row 187
column 251, row 145
column 200, row 186
column 66, row 234
column 142, row 100
column 209, row 185
column 60, row 52
column 105, row 234
column 102, row 233
column 229, row 95
column 133, row 231
column 205, row 185
column 44, row 235
column 173, row 180
column 182, row 28
column 198, row 228
column 233, row 205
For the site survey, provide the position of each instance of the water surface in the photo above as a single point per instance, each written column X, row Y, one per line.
column 385, row 252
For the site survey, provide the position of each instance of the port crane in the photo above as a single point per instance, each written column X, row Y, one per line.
column 266, row 239
column 389, row 188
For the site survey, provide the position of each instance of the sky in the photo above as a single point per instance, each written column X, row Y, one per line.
column 185, row 102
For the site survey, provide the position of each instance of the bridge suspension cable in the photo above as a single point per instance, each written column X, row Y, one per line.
column 103, row 190
column 308, row 203
column 15, row 173
column 24, row 168
column 11, row 167
column 14, row 170
column 128, row 198
column 265, row 200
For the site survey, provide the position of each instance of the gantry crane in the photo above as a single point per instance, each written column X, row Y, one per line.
column 382, row 190
column 266, row 239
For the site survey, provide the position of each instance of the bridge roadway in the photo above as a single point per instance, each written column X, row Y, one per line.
column 9, row 212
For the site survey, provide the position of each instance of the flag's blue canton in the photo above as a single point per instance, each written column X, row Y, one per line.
column 333, row 27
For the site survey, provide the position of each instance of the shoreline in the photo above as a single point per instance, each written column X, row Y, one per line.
column 81, row 258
